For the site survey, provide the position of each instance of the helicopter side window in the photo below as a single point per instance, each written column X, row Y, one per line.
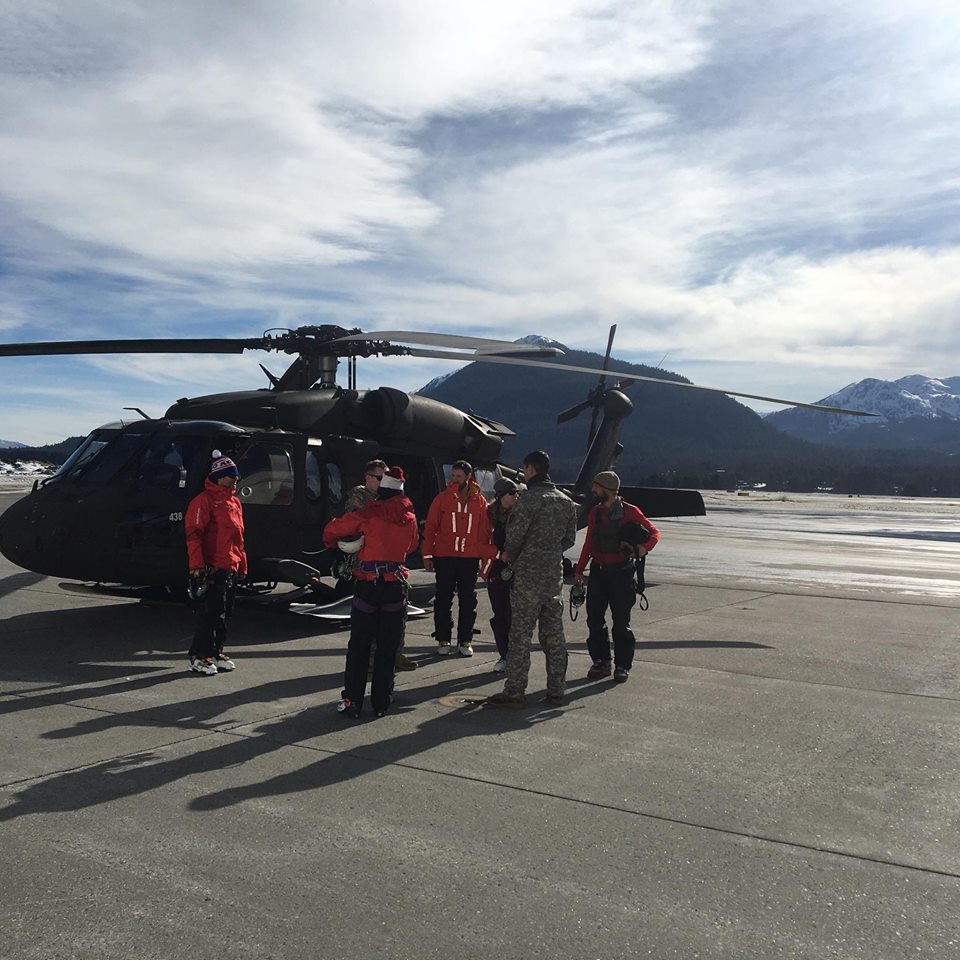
column 266, row 475
column 313, row 468
column 334, row 490
column 166, row 464
column 486, row 479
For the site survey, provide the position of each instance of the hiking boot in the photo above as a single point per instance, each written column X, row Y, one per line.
column 621, row 674
column 445, row 649
column 500, row 665
column 404, row 663
column 348, row 708
column 599, row 670
column 223, row 662
column 555, row 699
column 466, row 650
column 506, row 701
column 204, row 665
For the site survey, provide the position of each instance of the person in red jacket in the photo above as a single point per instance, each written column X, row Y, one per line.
column 457, row 533
column 213, row 526
column 389, row 530
column 617, row 533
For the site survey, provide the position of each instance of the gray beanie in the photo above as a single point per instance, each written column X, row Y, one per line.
column 504, row 486
column 608, row 480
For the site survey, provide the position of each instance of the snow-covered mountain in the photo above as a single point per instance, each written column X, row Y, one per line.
column 10, row 444
column 539, row 341
column 916, row 411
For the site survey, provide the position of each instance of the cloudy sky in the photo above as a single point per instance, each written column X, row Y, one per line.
column 763, row 195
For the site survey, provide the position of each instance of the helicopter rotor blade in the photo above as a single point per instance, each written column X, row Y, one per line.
column 601, row 383
column 480, row 358
column 67, row 347
column 574, row 411
column 483, row 344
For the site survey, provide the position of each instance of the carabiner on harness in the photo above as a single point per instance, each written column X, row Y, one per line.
column 578, row 594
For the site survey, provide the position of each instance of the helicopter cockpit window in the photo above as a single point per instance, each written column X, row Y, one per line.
column 104, row 458
column 266, row 475
column 87, row 450
column 166, row 464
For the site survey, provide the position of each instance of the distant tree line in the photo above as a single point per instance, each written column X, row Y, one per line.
column 54, row 453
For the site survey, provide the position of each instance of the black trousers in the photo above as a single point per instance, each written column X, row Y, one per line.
column 455, row 575
column 378, row 616
column 217, row 605
column 499, row 593
column 611, row 587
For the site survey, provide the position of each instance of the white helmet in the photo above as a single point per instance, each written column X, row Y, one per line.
column 351, row 546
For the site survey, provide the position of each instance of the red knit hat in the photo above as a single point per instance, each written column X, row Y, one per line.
column 393, row 479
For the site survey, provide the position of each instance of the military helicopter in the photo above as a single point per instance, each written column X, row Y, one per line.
column 113, row 513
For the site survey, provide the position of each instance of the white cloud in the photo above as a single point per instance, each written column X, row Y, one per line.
column 727, row 181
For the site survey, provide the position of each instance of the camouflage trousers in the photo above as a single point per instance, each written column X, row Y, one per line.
column 534, row 601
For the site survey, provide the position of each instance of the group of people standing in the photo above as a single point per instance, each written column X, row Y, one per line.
column 515, row 543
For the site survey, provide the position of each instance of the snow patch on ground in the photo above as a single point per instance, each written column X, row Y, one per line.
column 22, row 473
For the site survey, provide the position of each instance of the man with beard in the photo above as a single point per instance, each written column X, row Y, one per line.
column 456, row 535
column 617, row 534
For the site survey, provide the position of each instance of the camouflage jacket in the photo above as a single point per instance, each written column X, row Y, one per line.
column 358, row 497
column 542, row 525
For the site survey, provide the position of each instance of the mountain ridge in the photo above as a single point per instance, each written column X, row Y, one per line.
column 913, row 412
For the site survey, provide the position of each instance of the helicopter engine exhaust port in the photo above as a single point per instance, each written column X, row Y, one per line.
column 419, row 422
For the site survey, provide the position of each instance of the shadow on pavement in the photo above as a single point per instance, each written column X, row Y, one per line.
column 18, row 581
column 140, row 773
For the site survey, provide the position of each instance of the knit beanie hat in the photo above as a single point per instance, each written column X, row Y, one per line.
column 608, row 480
column 392, row 479
column 222, row 467
column 504, row 486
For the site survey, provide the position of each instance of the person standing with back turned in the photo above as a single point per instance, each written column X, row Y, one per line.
column 379, row 610
column 456, row 535
column 543, row 524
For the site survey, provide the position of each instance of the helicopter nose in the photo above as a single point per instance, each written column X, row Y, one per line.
column 18, row 536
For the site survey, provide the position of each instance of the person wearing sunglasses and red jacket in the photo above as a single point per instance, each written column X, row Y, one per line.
column 213, row 528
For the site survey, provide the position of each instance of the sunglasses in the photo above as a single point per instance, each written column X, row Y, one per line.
column 376, row 476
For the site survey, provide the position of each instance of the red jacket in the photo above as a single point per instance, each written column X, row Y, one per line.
column 213, row 525
column 389, row 529
column 631, row 514
column 458, row 526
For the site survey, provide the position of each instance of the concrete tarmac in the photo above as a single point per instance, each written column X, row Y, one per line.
column 778, row 778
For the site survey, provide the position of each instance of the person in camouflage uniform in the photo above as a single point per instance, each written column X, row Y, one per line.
column 543, row 525
column 368, row 491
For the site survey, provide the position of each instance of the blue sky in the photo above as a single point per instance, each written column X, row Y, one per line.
column 764, row 193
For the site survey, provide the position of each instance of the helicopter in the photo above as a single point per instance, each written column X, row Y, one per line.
column 112, row 514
